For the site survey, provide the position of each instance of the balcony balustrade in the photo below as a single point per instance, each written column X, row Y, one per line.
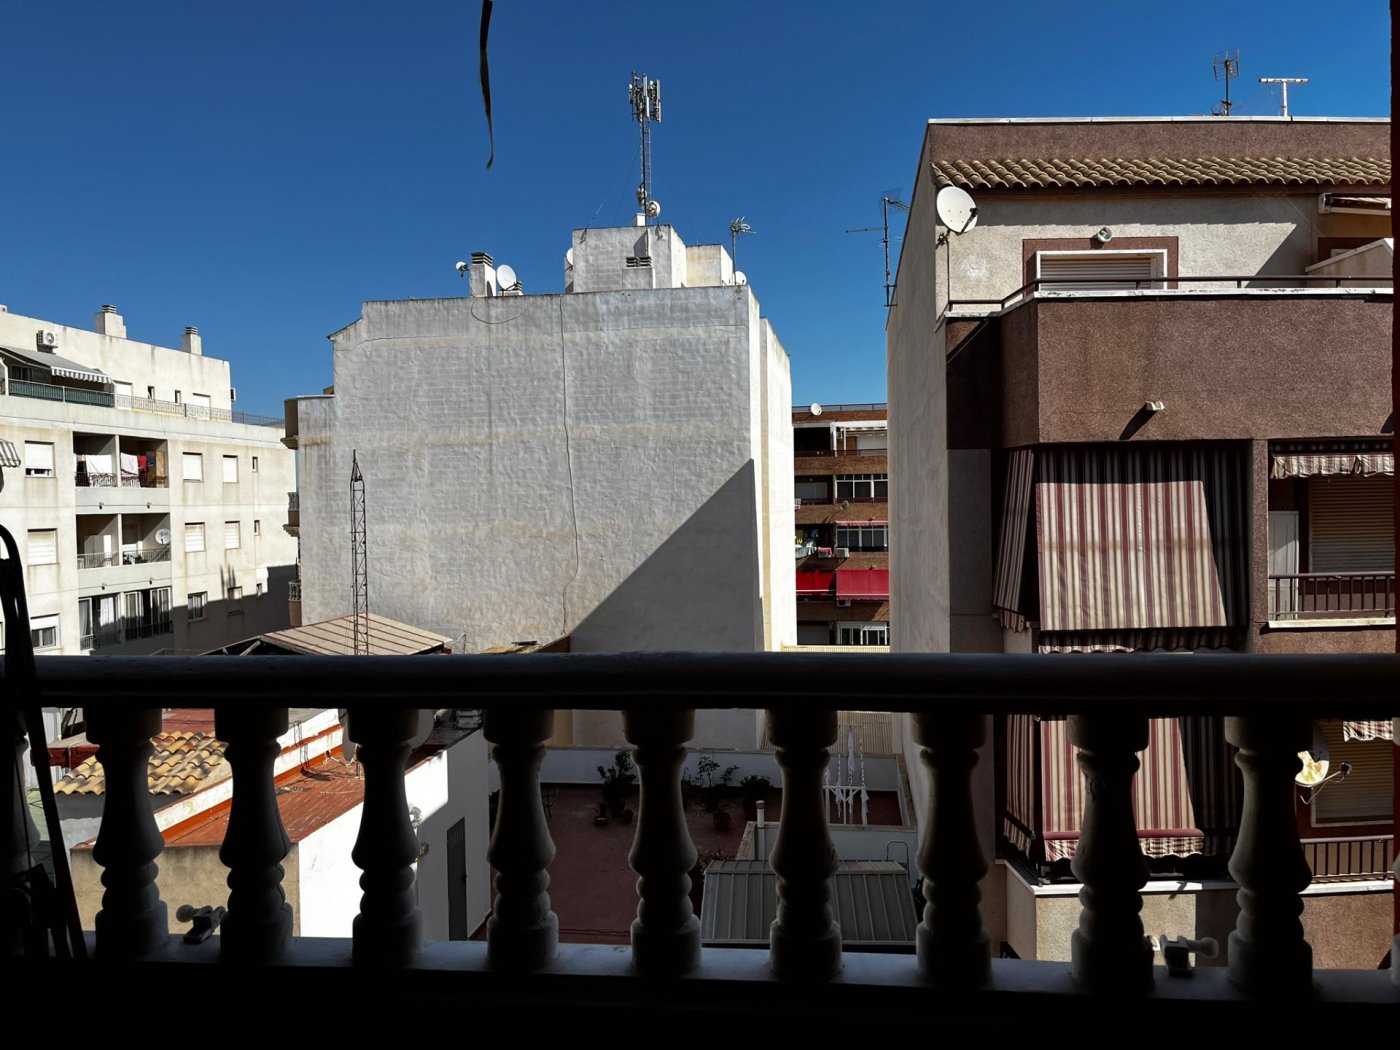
column 130, row 556
column 1332, row 595
column 107, row 399
column 804, row 982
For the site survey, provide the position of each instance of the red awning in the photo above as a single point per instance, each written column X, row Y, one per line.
column 863, row 584
column 811, row 582
column 857, row 524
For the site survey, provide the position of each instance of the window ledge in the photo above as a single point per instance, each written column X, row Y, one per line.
column 1332, row 621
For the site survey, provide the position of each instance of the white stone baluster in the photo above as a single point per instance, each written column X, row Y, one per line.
column 523, row 933
column 1109, row 952
column 805, row 943
column 1268, row 952
column 389, row 928
column 954, row 948
column 22, row 836
column 666, row 933
column 133, row 918
column 258, row 926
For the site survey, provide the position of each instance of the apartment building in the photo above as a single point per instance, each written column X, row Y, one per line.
column 1158, row 422
column 609, row 464
column 841, row 487
column 147, row 510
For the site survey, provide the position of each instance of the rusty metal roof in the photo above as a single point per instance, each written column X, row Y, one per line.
column 181, row 764
column 871, row 901
column 1054, row 173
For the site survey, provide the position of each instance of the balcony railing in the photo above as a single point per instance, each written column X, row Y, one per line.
column 1199, row 285
column 131, row 556
column 99, row 479
column 294, row 591
column 1349, row 859
column 1331, row 595
column 523, row 971
column 107, row 399
column 120, row 635
column 54, row 392
column 838, row 452
column 293, row 502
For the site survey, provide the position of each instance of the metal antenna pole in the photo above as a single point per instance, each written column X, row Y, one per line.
column 359, row 557
column 645, row 96
column 1285, row 81
column 1226, row 66
column 736, row 229
column 886, row 202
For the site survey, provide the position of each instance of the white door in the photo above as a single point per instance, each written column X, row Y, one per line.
column 1283, row 561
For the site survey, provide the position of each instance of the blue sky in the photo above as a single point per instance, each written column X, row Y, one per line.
column 258, row 168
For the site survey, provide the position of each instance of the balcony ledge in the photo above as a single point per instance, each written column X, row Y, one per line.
column 1331, row 622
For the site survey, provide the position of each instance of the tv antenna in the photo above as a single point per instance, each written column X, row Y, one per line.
column 737, row 229
column 359, row 558
column 1285, row 81
column 645, row 96
column 886, row 202
column 1225, row 66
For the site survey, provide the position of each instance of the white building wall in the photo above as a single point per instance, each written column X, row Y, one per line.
column 42, row 503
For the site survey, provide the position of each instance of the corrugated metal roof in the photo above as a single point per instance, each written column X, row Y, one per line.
column 1049, row 173
column 871, row 902
column 337, row 638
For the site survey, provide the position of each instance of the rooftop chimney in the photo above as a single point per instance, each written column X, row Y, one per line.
column 190, row 342
column 483, row 275
column 109, row 322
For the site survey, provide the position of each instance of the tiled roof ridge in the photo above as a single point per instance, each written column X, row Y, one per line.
column 181, row 761
column 1036, row 173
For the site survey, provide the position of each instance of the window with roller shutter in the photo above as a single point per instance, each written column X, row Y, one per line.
column 1364, row 795
column 1103, row 270
column 1351, row 526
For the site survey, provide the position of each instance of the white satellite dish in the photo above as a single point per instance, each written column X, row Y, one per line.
column 653, row 208
column 569, row 258
column 740, row 278
column 1314, row 771
column 956, row 209
column 505, row 278
column 816, row 409
column 163, row 537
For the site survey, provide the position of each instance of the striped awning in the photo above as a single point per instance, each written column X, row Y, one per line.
column 58, row 366
column 1363, row 463
column 1046, row 790
column 1142, row 538
column 1011, row 548
column 1368, row 730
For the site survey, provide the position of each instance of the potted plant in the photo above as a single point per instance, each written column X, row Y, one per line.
column 617, row 782
column 722, row 817
column 755, row 789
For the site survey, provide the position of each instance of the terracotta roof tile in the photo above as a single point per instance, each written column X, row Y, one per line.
column 181, row 763
column 1200, row 171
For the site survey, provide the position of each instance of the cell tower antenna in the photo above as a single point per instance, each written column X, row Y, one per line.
column 359, row 557
column 1285, row 81
column 1225, row 66
column 886, row 203
column 645, row 96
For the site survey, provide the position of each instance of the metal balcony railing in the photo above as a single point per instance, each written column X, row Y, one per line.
column 121, row 634
column 85, row 479
column 131, row 556
column 1331, row 595
column 804, row 979
column 1349, row 859
column 293, row 502
column 294, row 591
column 54, row 392
column 818, row 453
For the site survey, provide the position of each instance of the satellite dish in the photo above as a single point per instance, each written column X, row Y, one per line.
column 740, row 278
column 816, row 409
column 1314, row 771
column 163, row 537
column 956, row 209
column 845, row 504
column 653, row 208
column 505, row 278
column 1104, row 235
column 569, row 257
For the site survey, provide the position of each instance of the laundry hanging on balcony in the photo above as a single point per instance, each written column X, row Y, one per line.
column 1046, row 792
column 1297, row 459
column 1140, row 547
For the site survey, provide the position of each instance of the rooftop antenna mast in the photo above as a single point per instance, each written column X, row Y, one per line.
column 1225, row 66
column 886, row 203
column 359, row 557
column 737, row 228
column 645, row 96
column 1285, row 81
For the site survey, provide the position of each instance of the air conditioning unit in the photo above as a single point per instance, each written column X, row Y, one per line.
column 843, row 603
column 843, row 552
column 46, row 339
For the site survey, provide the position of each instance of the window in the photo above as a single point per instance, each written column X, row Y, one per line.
column 193, row 466
column 1366, row 793
column 38, row 459
column 194, row 537
column 235, row 594
column 255, row 464
column 194, row 605
column 177, row 397
column 232, row 536
column 43, row 631
column 812, row 491
column 863, row 537
column 257, row 526
column 875, row 632
column 1115, row 270
column 230, row 470
column 151, row 393
column 260, row 589
column 863, row 486
column 43, row 546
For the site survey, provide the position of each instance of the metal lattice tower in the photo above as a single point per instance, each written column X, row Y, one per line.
column 645, row 96
column 359, row 557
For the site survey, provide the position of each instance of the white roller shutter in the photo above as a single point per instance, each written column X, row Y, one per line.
column 1124, row 266
column 1351, row 527
column 43, row 547
column 1366, row 793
